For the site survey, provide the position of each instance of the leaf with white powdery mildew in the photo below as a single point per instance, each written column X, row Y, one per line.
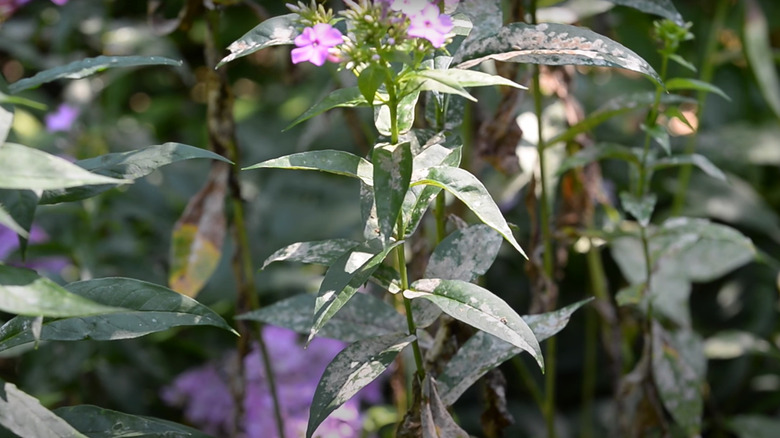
column 392, row 173
column 480, row 308
column 24, row 415
column 464, row 254
column 553, row 44
column 350, row 371
column 331, row 161
column 662, row 8
column 323, row 252
column 103, row 423
column 274, row 31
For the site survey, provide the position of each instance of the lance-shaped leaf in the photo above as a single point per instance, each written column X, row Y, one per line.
column 138, row 307
column 196, row 244
column 6, row 121
column 700, row 161
column 24, row 292
column 8, row 221
column 464, row 254
column 331, row 161
column 128, row 165
column 350, row 371
column 87, row 67
column 24, row 415
column 467, row 78
column 30, row 169
column 363, row 316
column 274, row 31
column 323, row 252
column 471, row 192
column 392, row 173
column 641, row 208
column 553, row 44
column 97, row 422
column 601, row 151
column 434, row 416
column 371, row 79
column 483, row 352
column 694, row 84
column 480, row 308
column 754, row 426
column 677, row 380
column 660, row 135
column 662, row 8
column 349, row 97
column 758, row 49
column 342, row 281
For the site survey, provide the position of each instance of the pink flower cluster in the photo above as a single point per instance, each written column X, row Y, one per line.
column 8, row 7
column 426, row 21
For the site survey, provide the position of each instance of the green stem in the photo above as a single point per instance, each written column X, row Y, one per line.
column 441, row 219
column 401, row 255
column 707, row 69
column 650, row 122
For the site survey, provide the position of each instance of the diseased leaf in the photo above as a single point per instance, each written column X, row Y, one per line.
column 479, row 308
column 552, row 44
column 483, row 352
column 342, row 280
column 349, row 97
column 331, row 161
column 662, row 8
column 464, row 254
column 129, row 166
column 700, row 161
column 198, row 235
column 758, row 49
column 87, row 67
column 392, row 173
column 323, row 252
column 350, row 371
column 24, row 292
column 30, row 169
column 641, row 209
column 274, row 31
column 24, row 415
column 436, row 420
column 363, row 316
column 471, row 192
column 97, row 422
column 406, row 108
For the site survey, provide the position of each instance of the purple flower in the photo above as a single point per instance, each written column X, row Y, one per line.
column 430, row 25
column 409, row 7
column 9, row 242
column 314, row 44
column 62, row 119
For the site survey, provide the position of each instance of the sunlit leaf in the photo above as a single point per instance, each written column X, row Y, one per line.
column 471, row 192
column 758, row 49
column 87, row 67
column 24, row 415
column 469, row 78
column 6, row 121
column 331, row 161
column 694, row 84
column 552, row 44
column 662, row 8
column 349, row 97
column 198, row 235
column 392, row 173
column 24, row 292
column 464, row 254
column 483, row 352
column 138, row 308
column 434, row 416
column 363, row 316
column 350, row 371
column 323, row 252
column 480, row 308
column 27, row 168
column 274, row 31
column 128, row 165
column 97, row 422
column 406, row 109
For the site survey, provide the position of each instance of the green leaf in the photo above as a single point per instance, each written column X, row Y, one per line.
column 17, row 210
column 8, row 221
column 24, row 292
column 660, row 135
column 471, row 192
column 323, row 252
column 392, row 173
column 24, row 415
column 662, row 8
column 406, row 108
column 6, row 121
column 342, row 281
column 480, row 308
column 758, row 49
column 128, row 166
column 331, row 161
column 683, row 62
column 464, row 254
column 754, row 426
column 469, row 78
column 27, row 168
column 483, row 352
column 350, row 371
column 370, row 79
column 87, row 67
column 599, row 152
column 700, row 161
column 342, row 98
column 138, row 309
column 363, row 316
column 274, row 31
column 694, row 84
column 97, row 422
column 552, row 44
column 679, row 385
column 428, row 80
column 434, row 416
column 641, row 209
